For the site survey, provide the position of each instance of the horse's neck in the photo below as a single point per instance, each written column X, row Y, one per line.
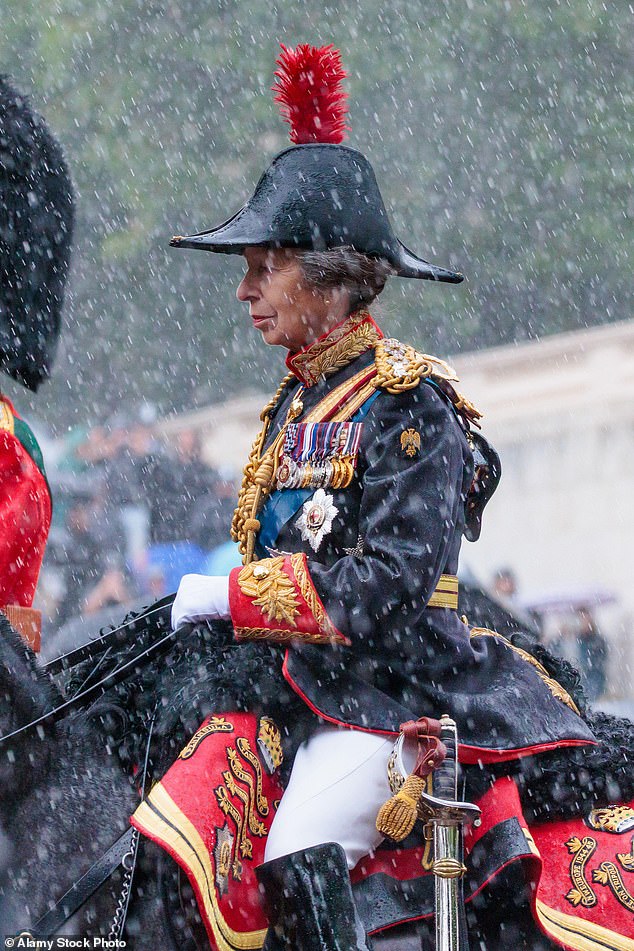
column 22, row 682
column 25, row 694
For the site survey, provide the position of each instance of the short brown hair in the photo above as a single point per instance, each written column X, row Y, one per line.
column 363, row 276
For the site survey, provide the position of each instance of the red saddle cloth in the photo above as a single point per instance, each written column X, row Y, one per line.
column 214, row 807
column 212, row 812
column 584, row 896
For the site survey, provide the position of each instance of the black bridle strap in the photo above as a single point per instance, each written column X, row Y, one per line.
column 117, row 676
column 84, row 887
column 118, row 634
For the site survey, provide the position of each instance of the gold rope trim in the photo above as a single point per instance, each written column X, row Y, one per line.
column 256, row 483
column 401, row 367
column 261, row 470
column 554, row 686
column 186, row 842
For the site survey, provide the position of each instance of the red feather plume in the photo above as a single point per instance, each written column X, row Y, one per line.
column 308, row 89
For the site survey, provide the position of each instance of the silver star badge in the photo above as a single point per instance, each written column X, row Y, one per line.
column 315, row 522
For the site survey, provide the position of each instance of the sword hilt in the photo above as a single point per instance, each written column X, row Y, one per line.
column 445, row 776
column 444, row 805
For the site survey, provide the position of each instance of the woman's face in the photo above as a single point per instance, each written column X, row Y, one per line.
column 283, row 307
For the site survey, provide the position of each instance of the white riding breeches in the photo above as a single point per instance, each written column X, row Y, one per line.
column 338, row 784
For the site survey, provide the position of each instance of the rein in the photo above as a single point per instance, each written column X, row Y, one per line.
column 115, row 677
column 161, row 609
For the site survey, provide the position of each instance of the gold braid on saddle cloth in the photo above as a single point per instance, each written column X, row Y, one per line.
column 397, row 369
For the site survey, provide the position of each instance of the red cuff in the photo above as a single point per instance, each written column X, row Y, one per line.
column 275, row 600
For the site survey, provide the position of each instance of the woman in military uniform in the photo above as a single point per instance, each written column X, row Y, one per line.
column 353, row 506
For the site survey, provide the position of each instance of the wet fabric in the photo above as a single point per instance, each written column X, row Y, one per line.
column 397, row 528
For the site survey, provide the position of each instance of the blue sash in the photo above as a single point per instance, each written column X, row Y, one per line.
column 281, row 505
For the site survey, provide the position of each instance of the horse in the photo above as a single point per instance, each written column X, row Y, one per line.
column 52, row 799
column 64, row 800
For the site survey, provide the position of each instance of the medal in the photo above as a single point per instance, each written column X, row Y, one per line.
column 316, row 519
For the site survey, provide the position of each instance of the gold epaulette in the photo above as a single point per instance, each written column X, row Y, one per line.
column 400, row 367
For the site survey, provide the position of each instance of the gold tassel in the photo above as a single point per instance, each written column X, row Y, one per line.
column 397, row 816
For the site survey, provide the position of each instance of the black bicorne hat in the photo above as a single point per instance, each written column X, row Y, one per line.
column 36, row 224
column 318, row 195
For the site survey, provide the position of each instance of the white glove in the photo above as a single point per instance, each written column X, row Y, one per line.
column 200, row 598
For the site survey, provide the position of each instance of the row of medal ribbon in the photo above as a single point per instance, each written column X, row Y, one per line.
column 319, row 455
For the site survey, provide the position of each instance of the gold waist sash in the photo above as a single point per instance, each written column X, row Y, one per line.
column 446, row 593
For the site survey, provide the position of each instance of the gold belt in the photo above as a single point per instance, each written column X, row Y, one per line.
column 446, row 593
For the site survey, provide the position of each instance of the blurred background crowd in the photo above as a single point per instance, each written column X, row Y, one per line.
column 133, row 512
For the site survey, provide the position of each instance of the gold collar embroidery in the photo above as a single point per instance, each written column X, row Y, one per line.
column 336, row 349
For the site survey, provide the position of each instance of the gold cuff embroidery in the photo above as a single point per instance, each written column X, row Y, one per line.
column 271, row 590
column 326, row 628
column 280, row 636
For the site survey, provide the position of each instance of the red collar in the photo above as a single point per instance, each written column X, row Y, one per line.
column 336, row 349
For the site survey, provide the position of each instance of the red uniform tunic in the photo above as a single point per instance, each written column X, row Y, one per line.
column 25, row 518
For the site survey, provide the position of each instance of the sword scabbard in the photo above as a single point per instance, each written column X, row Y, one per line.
column 448, row 818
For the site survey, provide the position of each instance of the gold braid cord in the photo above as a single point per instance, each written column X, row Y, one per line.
column 399, row 368
column 260, row 474
column 259, row 477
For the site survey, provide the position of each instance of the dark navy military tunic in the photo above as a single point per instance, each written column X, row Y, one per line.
column 397, row 529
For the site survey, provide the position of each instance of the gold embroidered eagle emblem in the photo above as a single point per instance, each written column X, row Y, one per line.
column 410, row 442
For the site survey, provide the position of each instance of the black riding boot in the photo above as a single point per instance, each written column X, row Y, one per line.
column 309, row 902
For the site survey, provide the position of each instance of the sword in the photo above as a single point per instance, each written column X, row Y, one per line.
column 448, row 818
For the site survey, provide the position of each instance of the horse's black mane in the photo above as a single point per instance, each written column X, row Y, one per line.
column 18, row 664
column 208, row 672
